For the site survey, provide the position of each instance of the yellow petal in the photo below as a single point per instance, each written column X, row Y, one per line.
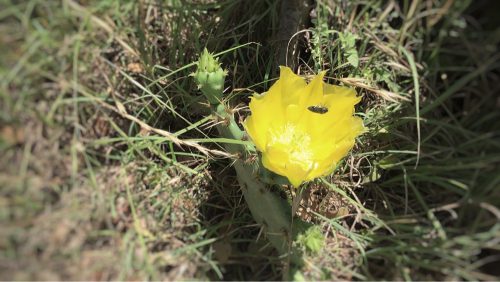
column 279, row 161
column 314, row 91
column 293, row 113
column 257, row 133
column 265, row 113
column 293, row 86
column 326, row 165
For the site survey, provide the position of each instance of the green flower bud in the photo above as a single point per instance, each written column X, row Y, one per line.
column 210, row 77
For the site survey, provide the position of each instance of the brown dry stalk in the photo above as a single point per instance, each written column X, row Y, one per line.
column 120, row 109
column 361, row 83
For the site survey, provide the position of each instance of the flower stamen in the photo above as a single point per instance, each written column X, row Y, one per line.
column 294, row 141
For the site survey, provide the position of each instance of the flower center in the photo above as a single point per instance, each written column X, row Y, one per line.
column 293, row 141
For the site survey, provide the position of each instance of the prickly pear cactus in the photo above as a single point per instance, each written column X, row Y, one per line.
column 289, row 236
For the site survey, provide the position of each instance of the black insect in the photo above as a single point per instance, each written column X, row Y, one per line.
column 318, row 109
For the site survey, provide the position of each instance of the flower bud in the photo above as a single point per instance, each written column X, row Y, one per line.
column 210, row 77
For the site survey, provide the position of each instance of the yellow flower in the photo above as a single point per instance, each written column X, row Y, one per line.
column 303, row 130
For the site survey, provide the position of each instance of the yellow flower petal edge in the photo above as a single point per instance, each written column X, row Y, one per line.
column 303, row 130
